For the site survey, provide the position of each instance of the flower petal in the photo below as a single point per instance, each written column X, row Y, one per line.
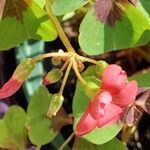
column 127, row 95
column 112, row 114
column 10, row 88
column 86, row 124
column 96, row 107
column 113, row 78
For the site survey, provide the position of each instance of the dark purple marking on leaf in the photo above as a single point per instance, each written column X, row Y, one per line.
column 13, row 8
column 134, row 2
column 133, row 115
column 144, row 100
column 109, row 11
column 60, row 120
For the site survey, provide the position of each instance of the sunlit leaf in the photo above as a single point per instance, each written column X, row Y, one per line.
column 143, row 6
column 23, row 20
column 82, row 144
column 62, row 7
column 43, row 129
column 142, row 79
column 13, row 133
column 38, row 124
column 41, row 3
column 115, row 30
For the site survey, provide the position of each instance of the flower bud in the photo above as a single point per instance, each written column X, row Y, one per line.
column 80, row 66
column 100, row 67
column 21, row 73
column 52, row 77
column 55, row 104
column 56, row 60
column 90, row 89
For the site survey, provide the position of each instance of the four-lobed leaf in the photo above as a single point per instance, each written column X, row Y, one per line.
column 23, row 20
column 38, row 124
column 114, row 28
column 62, row 7
column 82, row 144
column 142, row 79
column 13, row 133
column 143, row 6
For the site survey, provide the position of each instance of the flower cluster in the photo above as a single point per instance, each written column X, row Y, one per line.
column 107, row 106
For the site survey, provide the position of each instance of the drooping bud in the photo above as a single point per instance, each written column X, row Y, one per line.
column 100, row 67
column 21, row 73
column 55, row 104
column 56, row 60
column 90, row 89
column 52, row 77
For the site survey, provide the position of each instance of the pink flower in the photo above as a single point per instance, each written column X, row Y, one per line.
column 106, row 107
column 21, row 73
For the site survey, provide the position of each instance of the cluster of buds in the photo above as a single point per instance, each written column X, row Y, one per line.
column 107, row 106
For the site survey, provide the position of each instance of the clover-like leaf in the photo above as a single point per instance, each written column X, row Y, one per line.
column 22, row 20
column 62, row 7
column 43, row 129
column 83, row 144
column 142, row 79
column 143, row 6
column 116, row 26
column 13, row 133
column 38, row 124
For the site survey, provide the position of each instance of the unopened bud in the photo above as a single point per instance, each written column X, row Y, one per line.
column 21, row 73
column 100, row 67
column 55, row 104
column 80, row 66
column 56, row 60
column 52, row 77
column 90, row 89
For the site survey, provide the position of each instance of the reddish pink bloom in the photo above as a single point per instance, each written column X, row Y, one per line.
column 21, row 73
column 10, row 88
column 107, row 106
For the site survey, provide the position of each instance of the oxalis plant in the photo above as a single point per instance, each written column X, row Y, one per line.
column 106, row 102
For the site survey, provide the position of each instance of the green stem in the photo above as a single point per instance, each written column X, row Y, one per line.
column 82, row 58
column 65, row 77
column 65, row 65
column 127, row 133
column 57, row 54
column 67, row 141
column 38, row 147
column 58, row 27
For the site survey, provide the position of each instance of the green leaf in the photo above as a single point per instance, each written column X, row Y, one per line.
column 62, row 7
column 125, row 32
column 80, row 102
column 23, row 20
column 143, row 79
column 41, row 3
column 13, row 133
column 82, row 144
column 143, row 6
column 38, row 124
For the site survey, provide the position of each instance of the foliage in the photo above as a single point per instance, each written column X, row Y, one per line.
column 105, row 26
